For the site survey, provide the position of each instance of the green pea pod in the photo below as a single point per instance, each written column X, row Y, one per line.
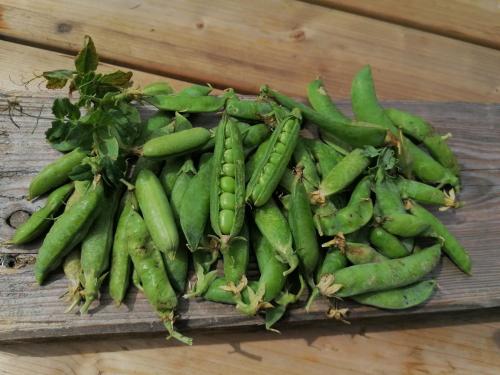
column 304, row 233
column 55, row 174
column 400, row 298
column 322, row 103
column 184, row 177
column 196, row 90
column 360, row 253
column 96, row 248
column 40, row 221
column 186, row 103
column 254, row 136
column 326, row 157
column 257, row 110
column 342, row 175
column 391, row 274
column 195, row 206
column 236, row 257
column 356, row 134
column 270, row 169
column 451, row 246
column 72, row 270
column 158, row 124
column 205, row 276
column 274, row 227
column 227, row 192
column 305, row 163
column 145, row 163
column 418, row 128
column 170, row 173
column 81, row 187
column 177, row 143
column 137, row 281
column 388, row 244
column 156, row 211
column 333, row 261
column 149, row 266
column 217, row 292
column 256, row 158
column 59, row 241
column 119, row 275
column 176, row 264
column 157, row 88
column 349, row 219
column 426, row 194
column 404, row 225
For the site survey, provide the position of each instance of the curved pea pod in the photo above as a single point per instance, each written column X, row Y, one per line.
column 451, row 246
column 186, row 103
column 120, row 270
column 304, row 162
column 272, row 276
column 196, row 90
column 274, row 227
column 59, row 241
column 356, row 134
column 72, row 270
column 267, row 174
column 184, row 177
column 158, row 124
column 156, row 210
column 195, row 205
column 55, row 174
column 176, row 264
column 40, row 221
column 177, row 143
column 388, row 244
column 326, row 157
column 80, row 188
column 391, row 274
column 254, row 136
column 333, row 261
column 157, row 88
column 96, row 248
column 303, row 231
column 217, row 292
column 388, row 198
column 342, row 175
column 235, row 258
column 429, row 170
column 426, row 194
column 322, row 103
column 150, row 269
column 400, row 298
column 248, row 109
column 349, row 219
column 227, row 192
column 360, row 253
column 254, row 160
column 170, row 172
column 404, row 225
column 419, row 129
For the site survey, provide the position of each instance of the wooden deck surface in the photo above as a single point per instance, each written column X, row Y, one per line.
column 419, row 50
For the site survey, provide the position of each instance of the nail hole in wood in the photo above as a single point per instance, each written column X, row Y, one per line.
column 7, row 261
column 17, row 218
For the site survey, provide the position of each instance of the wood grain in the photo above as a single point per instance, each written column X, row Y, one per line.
column 29, row 311
column 236, row 43
column 475, row 21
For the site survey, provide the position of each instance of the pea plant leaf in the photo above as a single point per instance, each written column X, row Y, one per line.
column 87, row 59
column 57, row 79
column 118, row 78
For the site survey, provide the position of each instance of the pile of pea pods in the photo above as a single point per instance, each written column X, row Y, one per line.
column 338, row 215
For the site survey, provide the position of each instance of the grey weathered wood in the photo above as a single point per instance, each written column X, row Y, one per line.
column 29, row 311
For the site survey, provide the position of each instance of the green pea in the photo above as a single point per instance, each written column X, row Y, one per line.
column 227, row 184
column 226, row 220
column 391, row 274
column 280, row 148
column 228, row 143
column 400, row 298
column 229, row 169
column 55, row 174
column 41, row 220
column 229, row 156
column 227, row 201
column 451, row 246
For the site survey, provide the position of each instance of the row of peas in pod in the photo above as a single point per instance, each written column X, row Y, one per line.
column 339, row 215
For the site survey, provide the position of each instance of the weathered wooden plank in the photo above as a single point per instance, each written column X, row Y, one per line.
column 306, row 41
column 475, row 21
column 29, row 311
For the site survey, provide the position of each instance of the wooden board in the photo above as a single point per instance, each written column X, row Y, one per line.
column 475, row 21
column 29, row 311
column 237, row 44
